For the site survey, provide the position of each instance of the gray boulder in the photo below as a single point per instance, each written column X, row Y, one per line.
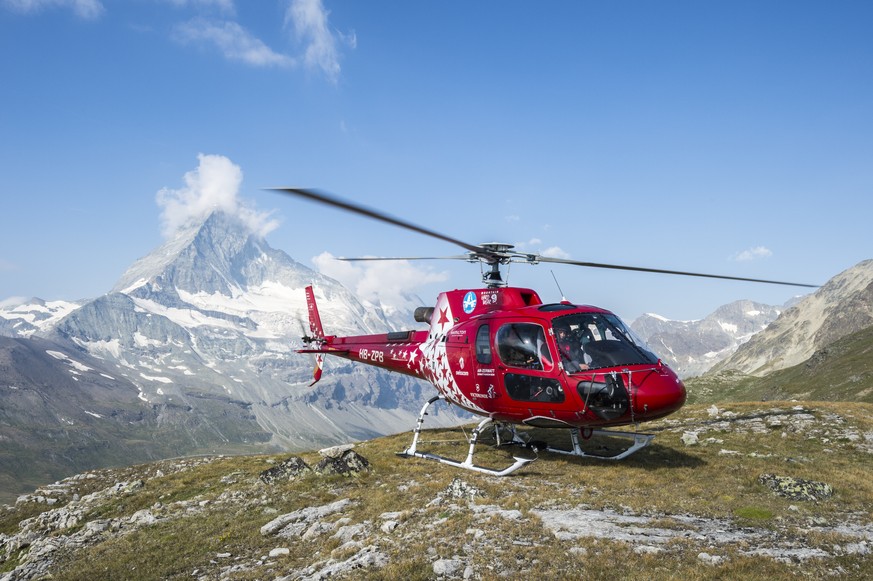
column 796, row 488
column 289, row 469
column 348, row 463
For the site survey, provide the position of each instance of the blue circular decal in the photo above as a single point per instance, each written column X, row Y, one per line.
column 469, row 302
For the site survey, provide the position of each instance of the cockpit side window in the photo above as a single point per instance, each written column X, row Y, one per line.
column 523, row 345
column 483, row 345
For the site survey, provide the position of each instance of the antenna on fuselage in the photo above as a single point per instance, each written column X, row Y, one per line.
column 563, row 298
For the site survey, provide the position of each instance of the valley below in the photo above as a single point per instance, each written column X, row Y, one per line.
column 764, row 490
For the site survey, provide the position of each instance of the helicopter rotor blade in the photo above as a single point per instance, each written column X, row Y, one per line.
column 466, row 257
column 323, row 198
column 662, row 271
column 492, row 253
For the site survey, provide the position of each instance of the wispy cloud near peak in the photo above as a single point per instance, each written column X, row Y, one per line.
column 213, row 186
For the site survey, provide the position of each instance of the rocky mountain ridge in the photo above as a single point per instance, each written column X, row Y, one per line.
column 754, row 339
column 844, row 305
column 693, row 347
column 841, row 371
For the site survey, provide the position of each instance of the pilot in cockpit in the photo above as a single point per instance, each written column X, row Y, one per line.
column 570, row 349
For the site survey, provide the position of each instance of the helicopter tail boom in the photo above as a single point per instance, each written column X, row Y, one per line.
column 394, row 351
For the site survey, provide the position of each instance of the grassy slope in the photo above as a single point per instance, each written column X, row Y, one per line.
column 668, row 478
column 843, row 371
column 48, row 455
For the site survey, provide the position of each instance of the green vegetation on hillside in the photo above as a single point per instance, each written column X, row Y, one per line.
column 842, row 371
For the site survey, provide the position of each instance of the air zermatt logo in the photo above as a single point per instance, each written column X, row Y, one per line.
column 469, row 302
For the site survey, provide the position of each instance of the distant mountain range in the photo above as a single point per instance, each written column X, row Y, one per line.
column 841, row 307
column 195, row 345
column 23, row 317
column 819, row 349
column 693, row 347
column 744, row 339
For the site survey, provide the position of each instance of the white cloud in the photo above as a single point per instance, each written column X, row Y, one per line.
column 752, row 254
column 305, row 20
column 555, row 252
column 233, row 41
column 213, row 186
column 309, row 20
column 535, row 246
column 88, row 9
column 388, row 283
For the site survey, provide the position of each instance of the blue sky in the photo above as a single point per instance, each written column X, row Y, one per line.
column 725, row 137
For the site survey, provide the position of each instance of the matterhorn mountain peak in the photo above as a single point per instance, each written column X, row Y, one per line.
column 195, row 350
column 211, row 321
column 210, row 247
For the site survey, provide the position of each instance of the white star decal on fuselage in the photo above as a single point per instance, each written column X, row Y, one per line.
column 437, row 369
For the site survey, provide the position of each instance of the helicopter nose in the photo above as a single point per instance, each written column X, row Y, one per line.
column 658, row 396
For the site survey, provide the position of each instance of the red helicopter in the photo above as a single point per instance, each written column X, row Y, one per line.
column 501, row 353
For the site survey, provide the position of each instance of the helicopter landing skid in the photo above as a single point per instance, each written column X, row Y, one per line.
column 640, row 441
column 467, row 464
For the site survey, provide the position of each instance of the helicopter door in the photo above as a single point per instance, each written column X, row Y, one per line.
column 474, row 380
column 527, row 365
column 485, row 376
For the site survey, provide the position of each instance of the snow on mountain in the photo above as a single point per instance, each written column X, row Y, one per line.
column 20, row 317
column 842, row 306
column 692, row 347
column 212, row 319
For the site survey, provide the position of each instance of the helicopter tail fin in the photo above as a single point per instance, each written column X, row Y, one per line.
column 314, row 320
column 317, row 332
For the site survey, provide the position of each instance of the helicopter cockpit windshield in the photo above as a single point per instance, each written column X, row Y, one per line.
column 596, row 340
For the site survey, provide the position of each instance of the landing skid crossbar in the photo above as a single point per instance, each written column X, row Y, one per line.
column 467, row 464
column 640, row 441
